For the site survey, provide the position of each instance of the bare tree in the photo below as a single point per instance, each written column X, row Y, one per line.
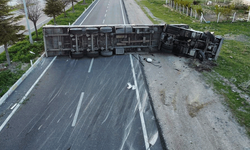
column 65, row 3
column 34, row 11
column 72, row 2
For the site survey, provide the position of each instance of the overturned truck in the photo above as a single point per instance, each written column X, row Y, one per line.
column 107, row 40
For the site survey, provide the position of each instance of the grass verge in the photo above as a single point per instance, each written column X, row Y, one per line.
column 233, row 62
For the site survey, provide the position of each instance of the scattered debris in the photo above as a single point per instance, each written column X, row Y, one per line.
column 130, row 86
column 149, row 60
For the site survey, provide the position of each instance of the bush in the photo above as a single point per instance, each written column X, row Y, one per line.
column 21, row 51
column 195, row 2
column 199, row 10
column 185, row 3
column 241, row 7
column 8, row 78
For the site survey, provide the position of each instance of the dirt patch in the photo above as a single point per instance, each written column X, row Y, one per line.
column 206, row 65
column 14, row 66
column 194, row 107
column 241, row 38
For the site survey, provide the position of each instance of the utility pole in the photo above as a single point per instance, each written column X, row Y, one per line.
column 28, row 25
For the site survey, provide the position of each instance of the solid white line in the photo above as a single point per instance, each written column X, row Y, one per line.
column 103, row 21
column 89, row 13
column 91, row 64
column 40, row 127
column 25, row 96
column 77, row 109
column 144, row 130
column 122, row 12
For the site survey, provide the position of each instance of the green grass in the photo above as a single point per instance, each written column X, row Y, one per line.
column 233, row 61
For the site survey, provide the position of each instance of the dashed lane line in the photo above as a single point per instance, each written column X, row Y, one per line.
column 77, row 109
column 91, row 64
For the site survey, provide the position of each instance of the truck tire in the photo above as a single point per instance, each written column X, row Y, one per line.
column 200, row 55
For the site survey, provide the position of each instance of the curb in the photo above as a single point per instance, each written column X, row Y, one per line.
column 20, row 80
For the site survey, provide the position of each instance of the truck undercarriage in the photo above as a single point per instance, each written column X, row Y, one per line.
column 107, row 40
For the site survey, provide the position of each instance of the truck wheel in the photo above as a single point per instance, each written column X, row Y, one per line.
column 200, row 55
column 76, row 55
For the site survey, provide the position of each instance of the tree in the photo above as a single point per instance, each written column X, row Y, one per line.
column 34, row 11
column 53, row 8
column 11, row 32
column 72, row 2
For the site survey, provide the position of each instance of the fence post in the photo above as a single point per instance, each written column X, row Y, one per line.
column 166, row 2
column 195, row 14
column 187, row 11
column 176, row 6
column 183, row 9
column 201, row 17
column 218, row 19
column 234, row 17
column 191, row 12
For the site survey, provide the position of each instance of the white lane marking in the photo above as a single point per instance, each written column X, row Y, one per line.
column 40, row 127
column 122, row 12
column 48, row 117
column 106, row 10
column 58, row 120
column 144, row 130
column 91, row 64
column 77, row 109
column 13, row 106
column 89, row 13
column 25, row 96
column 70, row 115
column 103, row 21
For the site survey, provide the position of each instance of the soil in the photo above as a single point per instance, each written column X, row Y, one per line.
column 190, row 113
column 14, row 66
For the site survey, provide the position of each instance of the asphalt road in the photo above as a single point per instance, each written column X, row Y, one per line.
column 106, row 12
column 86, row 103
